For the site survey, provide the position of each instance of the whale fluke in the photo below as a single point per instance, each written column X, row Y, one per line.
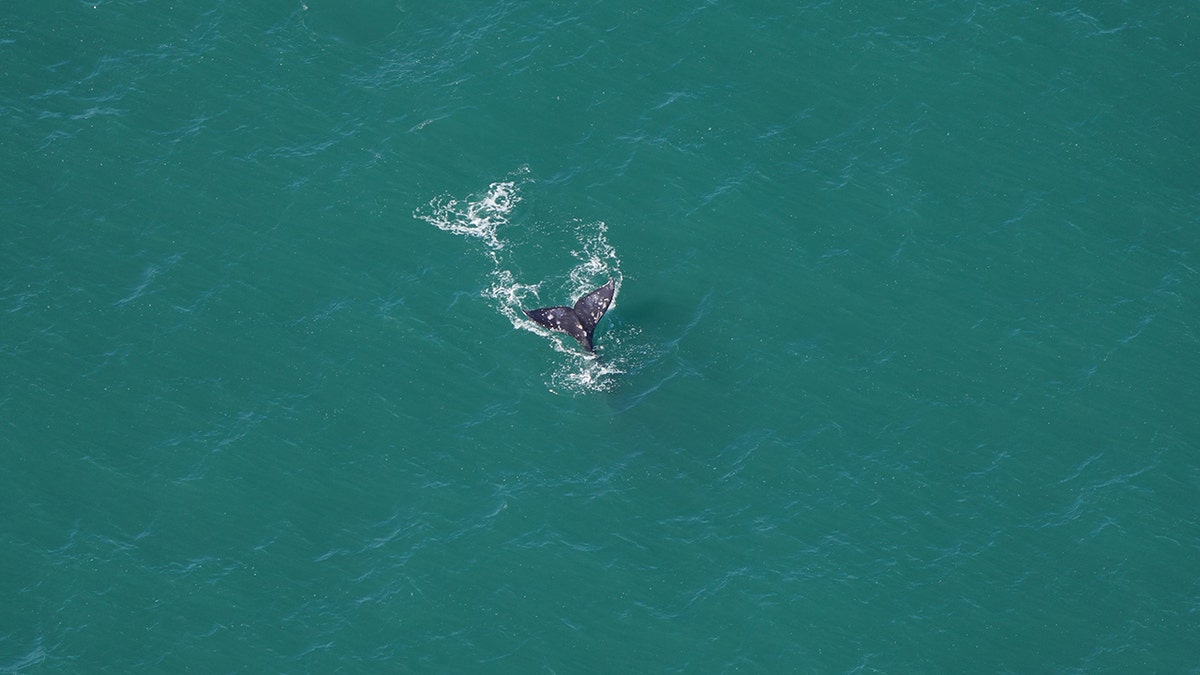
column 579, row 321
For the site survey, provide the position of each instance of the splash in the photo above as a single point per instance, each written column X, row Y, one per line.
column 486, row 217
column 480, row 218
column 596, row 257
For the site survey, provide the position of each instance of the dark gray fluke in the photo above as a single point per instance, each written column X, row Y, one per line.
column 579, row 321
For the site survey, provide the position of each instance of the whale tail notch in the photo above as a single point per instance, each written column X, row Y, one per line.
column 579, row 321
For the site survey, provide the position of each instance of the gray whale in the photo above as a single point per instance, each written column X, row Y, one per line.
column 579, row 321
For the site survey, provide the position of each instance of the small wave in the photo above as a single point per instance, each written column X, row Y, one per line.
column 149, row 274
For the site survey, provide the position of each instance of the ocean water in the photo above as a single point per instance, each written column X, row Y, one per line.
column 901, row 375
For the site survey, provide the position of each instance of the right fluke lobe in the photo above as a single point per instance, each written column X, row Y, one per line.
column 579, row 321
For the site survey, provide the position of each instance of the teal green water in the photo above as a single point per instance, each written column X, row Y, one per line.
column 901, row 375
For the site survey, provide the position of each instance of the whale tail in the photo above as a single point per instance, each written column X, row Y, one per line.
column 579, row 321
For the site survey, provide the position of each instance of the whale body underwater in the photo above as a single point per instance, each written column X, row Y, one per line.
column 579, row 321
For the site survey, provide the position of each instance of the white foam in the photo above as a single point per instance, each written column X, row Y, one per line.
column 480, row 218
